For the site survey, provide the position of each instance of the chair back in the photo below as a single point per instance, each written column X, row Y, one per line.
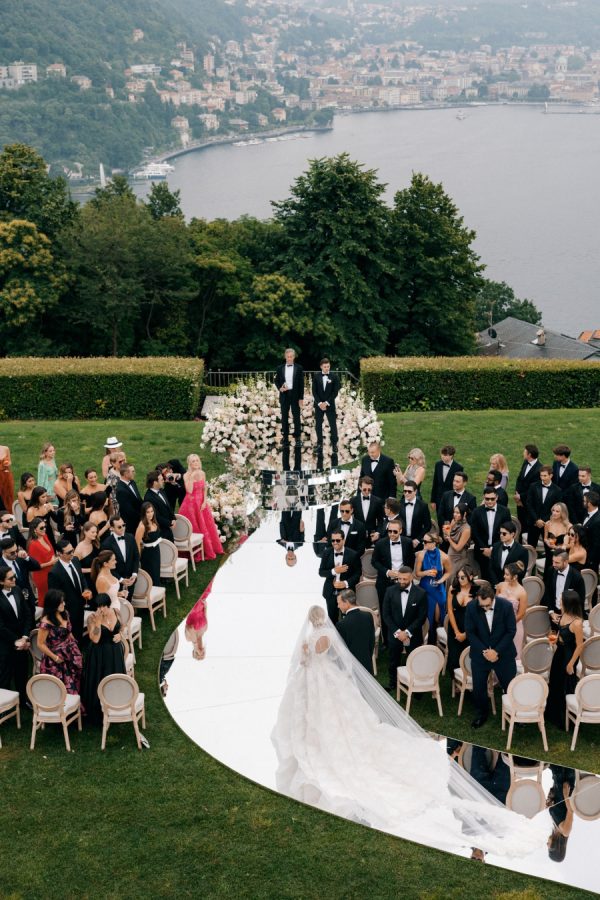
column 587, row 693
column 536, row 656
column 366, row 595
column 526, row 797
column 534, row 588
column 17, row 512
column 168, row 553
column 594, row 619
column 118, row 692
column 532, row 554
column 182, row 529
column 142, row 585
column 374, row 613
column 536, row 622
column 590, row 655
column 527, row 693
column 35, row 651
column 465, row 663
column 590, row 580
column 367, row 566
column 425, row 663
column 171, row 645
column 47, row 693
column 517, row 525
column 585, row 799
column 125, row 614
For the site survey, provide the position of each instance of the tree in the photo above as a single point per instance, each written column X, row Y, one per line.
column 334, row 231
column 276, row 309
column 162, row 202
column 436, row 276
column 27, row 192
column 496, row 300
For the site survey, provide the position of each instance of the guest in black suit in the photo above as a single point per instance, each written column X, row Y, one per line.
column 507, row 550
column 325, row 388
column 491, row 627
column 381, row 470
column 174, row 489
column 16, row 624
column 66, row 576
column 128, row 498
column 391, row 513
column 125, row 549
column 563, row 577
column 355, row 534
column 494, row 479
column 452, row 498
column 404, row 614
column 528, row 476
column 340, row 567
column 357, row 628
column 443, row 474
column 591, row 523
column 9, row 528
column 575, row 495
column 541, row 497
column 21, row 564
column 289, row 381
column 485, row 529
column 155, row 495
column 368, row 509
column 565, row 472
column 390, row 555
column 414, row 514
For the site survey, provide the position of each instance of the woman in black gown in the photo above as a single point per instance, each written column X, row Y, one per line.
column 462, row 590
column 105, row 656
column 147, row 536
column 569, row 643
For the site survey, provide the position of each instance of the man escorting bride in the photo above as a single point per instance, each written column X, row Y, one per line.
column 345, row 746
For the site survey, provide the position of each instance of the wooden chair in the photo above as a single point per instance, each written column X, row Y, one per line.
column 441, row 641
column 526, row 797
column 52, row 706
column 519, row 767
column 584, row 705
column 421, row 674
column 585, row 799
column 186, row 539
column 462, row 680
column 131, row 625
column 172, row 566
column 377, row 625
column 532, row 553
column 594, row 620
column 147, row 596
column 525, row 701
column 366, row 595
column 9, row 707
column 534, row 587
column 121, row 701
column 517, row 525
column 590, row 656
column 536, row 623
column 36, row 653
column 367, row 566
column 590, row 579
column 19, row 517
column 536, row 656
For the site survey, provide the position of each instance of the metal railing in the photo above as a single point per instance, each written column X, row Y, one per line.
column 219, row 378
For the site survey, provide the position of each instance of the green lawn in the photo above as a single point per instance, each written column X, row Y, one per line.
column 173, row 821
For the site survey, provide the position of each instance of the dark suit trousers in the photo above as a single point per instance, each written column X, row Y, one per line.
column 286, row 403
column 14, row 669
column 505, row 670
column 396, row 649
column 332, row 607
column 332, row 419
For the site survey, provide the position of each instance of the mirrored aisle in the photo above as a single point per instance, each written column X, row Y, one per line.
column 224, row 687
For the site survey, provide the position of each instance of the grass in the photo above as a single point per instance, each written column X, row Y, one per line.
column 173, row 820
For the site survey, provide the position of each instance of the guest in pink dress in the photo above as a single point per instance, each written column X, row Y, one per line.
column 196, row 508
column 195, row 628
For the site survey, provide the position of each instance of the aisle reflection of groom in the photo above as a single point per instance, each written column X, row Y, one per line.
column 340, row 567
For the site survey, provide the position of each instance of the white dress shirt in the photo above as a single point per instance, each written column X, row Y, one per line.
column 409, row 511
column 491, row 515
column 489, row 614
column 396, row 555
column 289, row 376
column 560, row 586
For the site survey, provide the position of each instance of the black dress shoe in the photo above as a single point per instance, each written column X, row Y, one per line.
column 478, row 721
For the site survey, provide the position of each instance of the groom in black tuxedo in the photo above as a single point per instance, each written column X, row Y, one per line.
column 404, row 614
column 357, row 628
column 289, row 381
column 491, row 626
column 325, row 389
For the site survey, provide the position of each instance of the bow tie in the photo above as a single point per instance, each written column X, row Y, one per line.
column 456, row 494
column 507, row 547
column 492, row 510
column 561, row 575
column 410, row 503
column 395, row 543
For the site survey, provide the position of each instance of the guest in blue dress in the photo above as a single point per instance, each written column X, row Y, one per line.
column 433, row 569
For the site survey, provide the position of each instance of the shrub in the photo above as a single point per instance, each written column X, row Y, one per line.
column 100, row 387
column 393, row 384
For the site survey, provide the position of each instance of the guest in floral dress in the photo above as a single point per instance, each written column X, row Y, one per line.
column 61, row 655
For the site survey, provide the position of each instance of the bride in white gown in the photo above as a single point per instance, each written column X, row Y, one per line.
column 345, row 746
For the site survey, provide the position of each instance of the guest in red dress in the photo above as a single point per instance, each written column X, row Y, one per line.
column 40, row 549
column 197, row 509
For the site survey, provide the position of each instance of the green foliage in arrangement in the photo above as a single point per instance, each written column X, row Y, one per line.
column 473, row 382
column 100, row 388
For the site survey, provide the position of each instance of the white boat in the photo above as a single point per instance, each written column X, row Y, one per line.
column 255, row 141
column 240, row 143
column 154, row 171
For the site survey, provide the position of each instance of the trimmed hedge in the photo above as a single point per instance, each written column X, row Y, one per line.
column 100, row 387
column 475, row 382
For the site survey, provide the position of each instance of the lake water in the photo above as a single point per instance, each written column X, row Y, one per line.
column 527, row 183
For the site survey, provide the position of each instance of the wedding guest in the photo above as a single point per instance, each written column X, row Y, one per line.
column 575, row 495
column 66, row 481
column 565, row 472
column 289, row 381
column 414, row 514
column 128, row 497
column 47, row 472
column 112, row 477
column 540, row 499
column 197, row 509
column 9, row 528
column 555, row 533
column 391, row 513
column 196, row 625
column 562, row 578
column 591, row 523
column 528, row 476
column 104, row 579
column 87, row 550
column 66, row 576
column 507, row 550
column 112, row 444
column 486, row 521
column 7, row 483
column 26, row 486
column 355, row 535
column 460, row 593
column 458, row 494
column 381, row 470
column 458, row 535
column 105, row 656
column 340, row 567
column 415, row 470
column 91, row 487
column 404, row 614
column 155, row 495
column 148, row 539
column 560, row 808
column 576, row 544
column 569, row 644
column 516, row 594
column 368, row 509
column 491, row 627
column 41, row 550
column 433, row 569
column 443, row 474
column 125, row 550
column 97, row 507
column 325, row 388
column 357, row 628
column 40, row 507
column 174, row 488
column 493, row 479
column 390, row 554
column 70, row 517
column 16, row 624
column 61, row 655
column 499, row 464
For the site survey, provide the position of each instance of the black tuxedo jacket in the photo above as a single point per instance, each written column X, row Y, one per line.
column 414, row 617
column 539, row 508
column 525, row 482
column 568, row 478
column 289, row 526
column 573, row 497
column 479, row 526
column 517, row 553
column 23, row 567
column 357, row 535
column 358, row 632
column 330, row 392
column 501, row 495
column 352, row 576
column 130, row 504
column 385, row 484
column 60, row 579
column 382, row 560
column 129, row 565
column 163, row 512
column 16, row 534
column 421, row 520
column 14, row 627
column 440, row 484
column 297, row 391
column 572, row 582
column 374, row 518
column 445, row 507
column 502, row 634
column 592, row 530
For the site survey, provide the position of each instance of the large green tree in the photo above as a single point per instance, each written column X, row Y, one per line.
column 436, row 277
column 496, row 300
column 27, row 191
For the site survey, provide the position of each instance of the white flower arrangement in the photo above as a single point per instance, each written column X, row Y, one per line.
column 232, row 498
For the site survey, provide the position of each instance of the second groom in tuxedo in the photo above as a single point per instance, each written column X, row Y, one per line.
column 289, row 381
column 325, row 389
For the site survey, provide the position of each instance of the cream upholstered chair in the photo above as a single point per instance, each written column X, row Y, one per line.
column 147, row 596
column 367, row 566
column 131, row 624
column 523, row 768
column 526, row 797
column 536, row 656
column 172, row 566
column 421, row 674
column 590, row 656
column 36, row 653
column 462, row 680
column 585, row 799
column 534, row 588
column 18, row 513
column 366, row 595
column 187, row 539
column 52, row 705
column 377, row 625
column 532, row 554
column 536, row 623
column 584, row 705
column 590, row 580
column 594, row 620
column 121, row 701
column 9, row 707
column 441, row 641
column 525, row 701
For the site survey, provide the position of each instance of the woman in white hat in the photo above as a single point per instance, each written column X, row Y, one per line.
column 112, row 444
